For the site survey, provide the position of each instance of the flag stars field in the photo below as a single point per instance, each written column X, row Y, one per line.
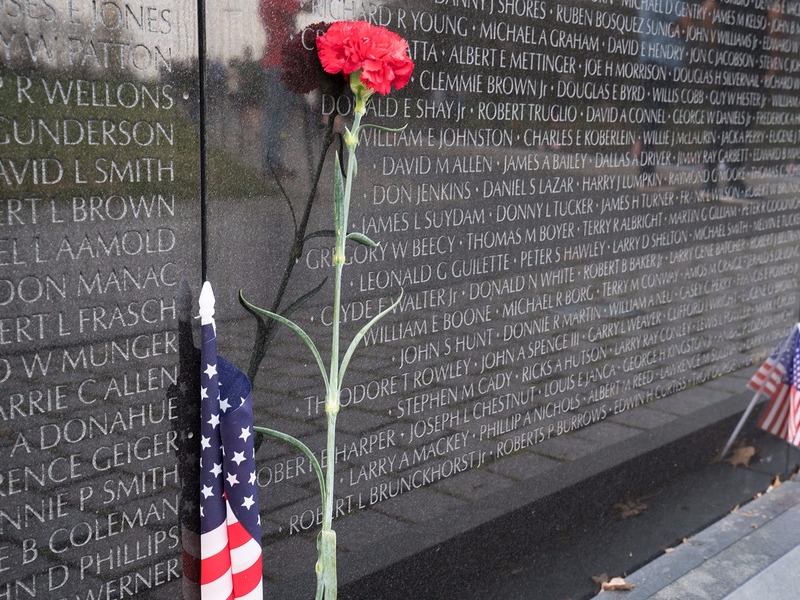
column 229, row 524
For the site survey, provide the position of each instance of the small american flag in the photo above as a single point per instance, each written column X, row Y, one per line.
column 779, row 379
column 230, row 526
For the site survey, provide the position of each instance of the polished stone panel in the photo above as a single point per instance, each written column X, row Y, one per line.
column 591, row 213
column 99, row 239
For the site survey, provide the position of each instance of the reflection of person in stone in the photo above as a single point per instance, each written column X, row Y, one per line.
column 662, row 46
column 277, row 17
column 736, row 100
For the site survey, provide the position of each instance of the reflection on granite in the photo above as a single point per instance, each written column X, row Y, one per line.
column 592, row 214
column 99, row 229
column 585, row 229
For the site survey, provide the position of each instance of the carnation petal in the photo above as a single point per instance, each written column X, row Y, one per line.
column 380, row 54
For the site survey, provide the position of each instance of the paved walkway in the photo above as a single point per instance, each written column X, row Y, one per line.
column 751, row 554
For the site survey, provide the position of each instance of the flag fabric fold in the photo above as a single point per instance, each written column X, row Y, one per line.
column 779, row 379
column 230, row 537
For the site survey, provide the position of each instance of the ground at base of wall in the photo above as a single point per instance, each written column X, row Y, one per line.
column 645, row 528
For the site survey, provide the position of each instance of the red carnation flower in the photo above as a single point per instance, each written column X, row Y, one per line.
column 381, row 55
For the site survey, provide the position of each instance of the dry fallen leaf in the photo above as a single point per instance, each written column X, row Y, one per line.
column 630, row 508
column 669, row 550
column 741, row 456
column 775, row 483
column 735, row 508
column 600, row 579
column 617, row 584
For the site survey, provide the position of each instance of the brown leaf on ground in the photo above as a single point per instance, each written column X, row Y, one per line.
column 600, row 579
column 617, row 584
column 775, row 483
column 694, row 542
column 741, row 456
column 630, row 508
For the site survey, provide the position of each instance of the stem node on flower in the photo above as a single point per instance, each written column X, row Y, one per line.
column 332, row 403
column 350, row 140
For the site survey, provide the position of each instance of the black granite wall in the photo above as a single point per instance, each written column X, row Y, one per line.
column 592, row 214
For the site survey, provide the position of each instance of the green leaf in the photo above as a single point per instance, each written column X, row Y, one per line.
column 338, row 197
column 362, row 332
column 382, row 128
column 285, row 437
column 294, row 327
column 328, row 553
column 362, row 239
column 319, row 569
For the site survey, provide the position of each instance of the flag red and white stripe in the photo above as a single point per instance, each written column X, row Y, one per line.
column 230, row 539
column 779, row 378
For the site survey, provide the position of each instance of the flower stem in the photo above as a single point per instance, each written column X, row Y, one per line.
column 328, row 545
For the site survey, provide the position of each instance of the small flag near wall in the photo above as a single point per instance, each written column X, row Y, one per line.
column 230, row 540
column 779, row 378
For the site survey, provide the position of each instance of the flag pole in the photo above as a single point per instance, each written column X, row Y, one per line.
column 747, row 411
column 741, row 422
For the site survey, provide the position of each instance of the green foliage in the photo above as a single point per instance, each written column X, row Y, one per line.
column 294, row 327
column 362, row 239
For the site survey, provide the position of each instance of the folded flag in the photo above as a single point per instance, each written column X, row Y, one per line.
column 230, row 526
